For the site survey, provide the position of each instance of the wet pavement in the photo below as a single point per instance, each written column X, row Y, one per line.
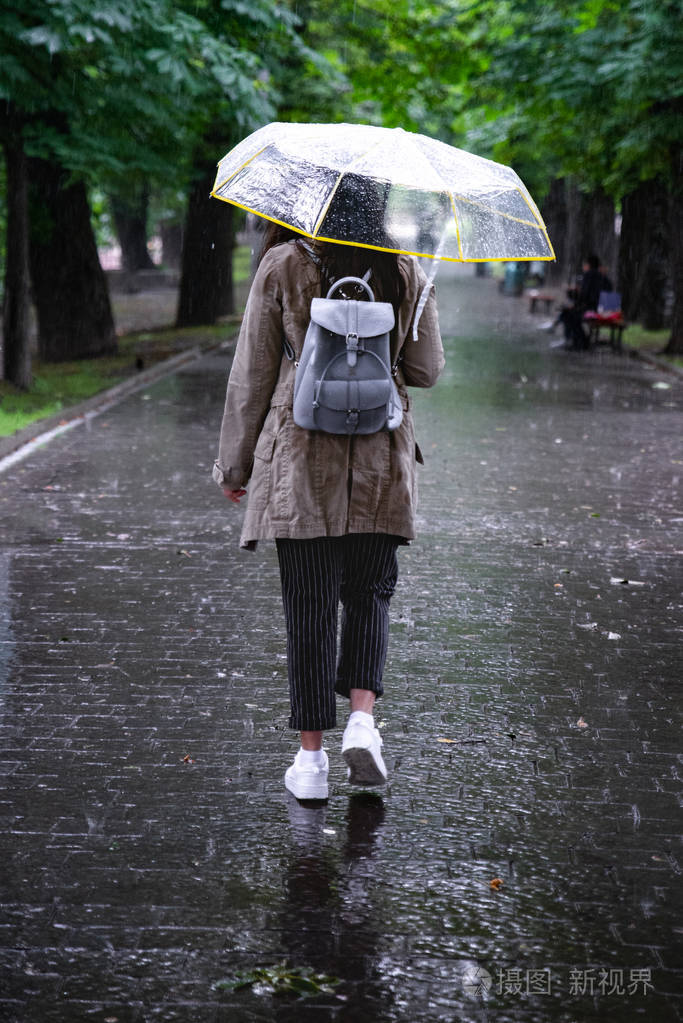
column 531, row 723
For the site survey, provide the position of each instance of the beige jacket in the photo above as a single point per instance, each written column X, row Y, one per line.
column 305, row 483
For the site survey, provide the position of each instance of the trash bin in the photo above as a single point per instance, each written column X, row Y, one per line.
column 513, row 282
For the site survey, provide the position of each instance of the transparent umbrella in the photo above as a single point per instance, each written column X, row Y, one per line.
column 384, row 188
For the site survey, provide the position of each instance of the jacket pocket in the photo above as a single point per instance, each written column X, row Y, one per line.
column 261, row 483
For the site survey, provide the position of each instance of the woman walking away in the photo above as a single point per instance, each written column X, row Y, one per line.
column 338, row 506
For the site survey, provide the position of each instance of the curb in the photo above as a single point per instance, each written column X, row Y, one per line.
column 652, row 360
column 26, row 440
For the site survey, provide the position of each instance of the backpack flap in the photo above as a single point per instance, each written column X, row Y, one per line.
column 367, row 319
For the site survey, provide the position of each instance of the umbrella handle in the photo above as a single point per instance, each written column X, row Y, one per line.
column 355, row 280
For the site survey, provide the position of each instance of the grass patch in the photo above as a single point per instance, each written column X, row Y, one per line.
column 55, row 386
column 652, row 342
column 59, row 385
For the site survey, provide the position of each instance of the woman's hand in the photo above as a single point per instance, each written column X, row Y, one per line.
column 234, row 495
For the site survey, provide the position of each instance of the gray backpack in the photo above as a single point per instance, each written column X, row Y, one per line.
column 344, row 381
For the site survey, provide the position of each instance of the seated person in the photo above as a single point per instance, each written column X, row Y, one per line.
column 583, row 299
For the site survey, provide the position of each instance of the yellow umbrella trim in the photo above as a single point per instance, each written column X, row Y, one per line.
column 405, row 252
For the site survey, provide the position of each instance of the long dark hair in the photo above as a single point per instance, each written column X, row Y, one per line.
column 357, row 211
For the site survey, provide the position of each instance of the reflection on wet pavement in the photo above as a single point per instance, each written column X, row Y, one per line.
column 531, row 722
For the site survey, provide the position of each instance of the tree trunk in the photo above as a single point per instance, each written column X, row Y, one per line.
column 654, row 295
column 632, row 264
column 554, row 214
column 206, row 285
column 573, row 246
column 579, row 223
column 171, row 245
column 70, row 289
column 675, row 345
column 644, row 259
column 17, row 352
column 130, row 220
column 596, row 232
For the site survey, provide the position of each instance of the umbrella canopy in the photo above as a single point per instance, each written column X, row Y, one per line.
column 383, row 188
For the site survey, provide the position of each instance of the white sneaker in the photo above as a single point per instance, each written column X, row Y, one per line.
column 361, row 746
column 308, row 781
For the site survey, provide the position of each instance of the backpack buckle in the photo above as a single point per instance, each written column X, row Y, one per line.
column 352, row 348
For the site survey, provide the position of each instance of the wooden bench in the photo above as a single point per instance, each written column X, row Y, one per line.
column 536, row 296
column 613, row 323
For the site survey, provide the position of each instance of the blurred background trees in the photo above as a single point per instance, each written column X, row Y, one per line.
column 122, row 107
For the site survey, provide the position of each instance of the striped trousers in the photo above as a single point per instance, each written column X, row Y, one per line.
column 360, row 571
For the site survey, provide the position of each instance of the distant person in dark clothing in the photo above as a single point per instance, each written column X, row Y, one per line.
column 584, row 298
column 593, row 282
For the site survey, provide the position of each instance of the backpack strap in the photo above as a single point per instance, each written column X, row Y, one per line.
column 309, row 250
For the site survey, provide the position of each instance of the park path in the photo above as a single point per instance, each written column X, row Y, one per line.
column 531, row 724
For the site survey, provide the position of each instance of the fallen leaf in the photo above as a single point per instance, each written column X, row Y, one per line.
column 447, row 740
column 582, row 724
column 614, row 635
column 496, row 883
column 187, row 759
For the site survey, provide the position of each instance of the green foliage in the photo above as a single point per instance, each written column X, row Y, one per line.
column 592, row 85
column 396, row 62
column 124, row 87
column 302, row 981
